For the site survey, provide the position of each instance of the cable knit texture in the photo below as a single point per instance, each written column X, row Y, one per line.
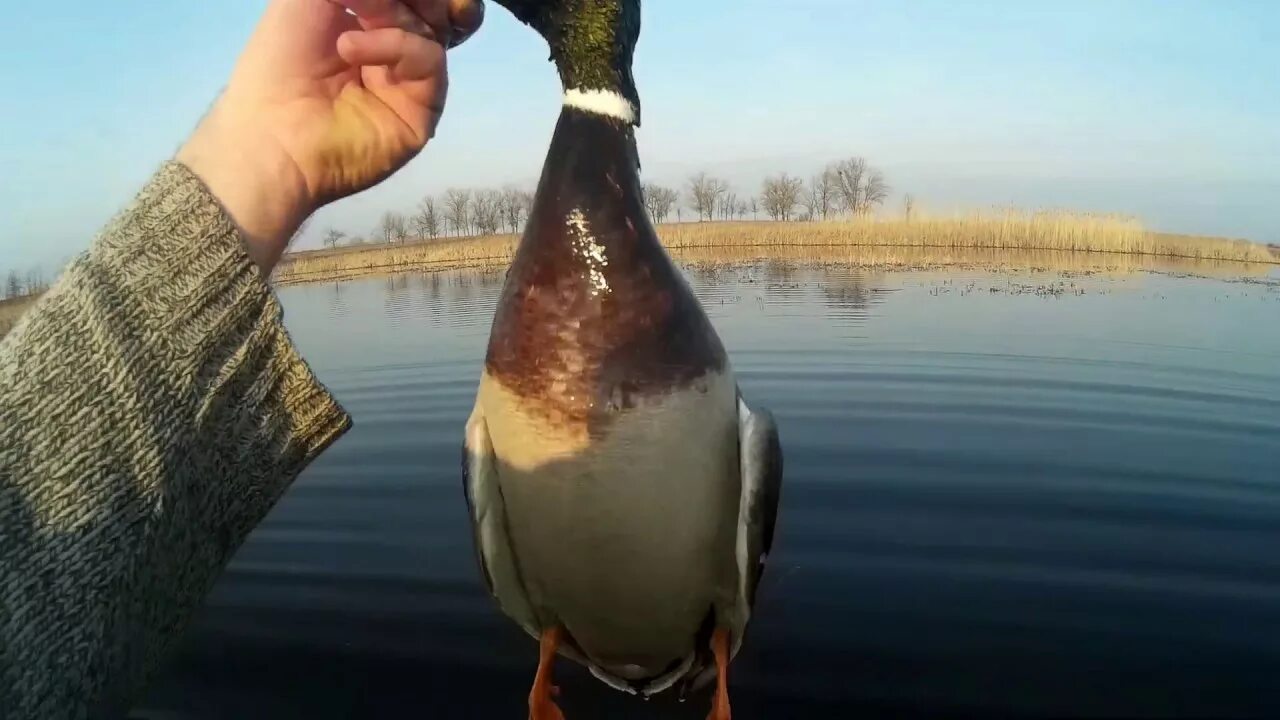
column 152, row 410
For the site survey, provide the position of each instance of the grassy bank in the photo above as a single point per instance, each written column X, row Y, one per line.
column 314, row 265
column 847, row 239
column 946, row 259
column 1028, row 240
column 1009, row 231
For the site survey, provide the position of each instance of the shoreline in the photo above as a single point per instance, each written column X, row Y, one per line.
column 888, row 259
column 1075, row 241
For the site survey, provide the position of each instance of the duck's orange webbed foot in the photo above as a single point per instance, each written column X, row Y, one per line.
column 720, row 705
column 542, row 705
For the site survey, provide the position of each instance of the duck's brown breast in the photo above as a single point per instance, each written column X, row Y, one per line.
column 594, row 317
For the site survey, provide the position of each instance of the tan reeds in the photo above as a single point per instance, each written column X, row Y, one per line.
column 1062, row 232
column 945, row 259
column 1066, row 231
column 1049, row 240
column 361, row 260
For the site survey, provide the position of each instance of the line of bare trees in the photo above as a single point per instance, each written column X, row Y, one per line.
column 849, row 187
column 459, row 212
column 17, row 284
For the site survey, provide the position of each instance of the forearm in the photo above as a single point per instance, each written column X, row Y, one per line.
column 152, row 411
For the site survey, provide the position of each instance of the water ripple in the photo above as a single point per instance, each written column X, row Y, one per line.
column 995, row 504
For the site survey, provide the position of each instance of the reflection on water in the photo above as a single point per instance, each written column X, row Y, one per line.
column 1043, row 492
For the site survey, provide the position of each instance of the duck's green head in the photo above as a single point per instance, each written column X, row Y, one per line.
column 592, row 41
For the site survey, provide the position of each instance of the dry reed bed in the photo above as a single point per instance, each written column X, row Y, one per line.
column 359, row 261
column 844, row 240
column 917, row 258
column 1071, row 232
column 1043, row 240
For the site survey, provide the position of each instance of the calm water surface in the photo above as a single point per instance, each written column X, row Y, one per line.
column 1006, row 494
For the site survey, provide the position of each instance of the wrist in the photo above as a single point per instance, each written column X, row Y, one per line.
column 254, row 179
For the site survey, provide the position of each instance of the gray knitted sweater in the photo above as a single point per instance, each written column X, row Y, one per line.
column 152, row 410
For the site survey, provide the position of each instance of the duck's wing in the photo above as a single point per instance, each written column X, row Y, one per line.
column 489, row 525
column 760, row 466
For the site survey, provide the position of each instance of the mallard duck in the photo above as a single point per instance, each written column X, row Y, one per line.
column 622, row 492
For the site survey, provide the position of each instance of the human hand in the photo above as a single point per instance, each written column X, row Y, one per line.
column 322, row 105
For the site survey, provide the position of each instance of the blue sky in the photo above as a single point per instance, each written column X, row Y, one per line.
column 1167, row 109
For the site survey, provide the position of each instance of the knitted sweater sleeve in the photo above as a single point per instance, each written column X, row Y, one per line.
column 152, row 410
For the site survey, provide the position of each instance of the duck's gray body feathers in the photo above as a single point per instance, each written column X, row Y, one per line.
column 637, row 545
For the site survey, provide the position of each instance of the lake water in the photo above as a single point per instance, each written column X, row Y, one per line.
column 1006, row 492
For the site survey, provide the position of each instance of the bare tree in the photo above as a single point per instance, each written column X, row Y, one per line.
column 809, row 200
column 662, row 205
column 720, row 188
column 741, row 209
column 36, row 283
column 457, row 204
column 874, row 192
column 824, row 190
column 427, row 220
column 857, row 187
column 848, row 176
column 333, row 237
column 514, row 207
column 754, row 204
column 393, row 228
column 526, row 204
column 780, row 195
column 728, row 206
column 704, row 193
column 908, row 207
column 820, row 195
column 486, row 211
column 482, row 211
column 13, row 285
column 509, row 208
column 658, row 200
column 700, row 199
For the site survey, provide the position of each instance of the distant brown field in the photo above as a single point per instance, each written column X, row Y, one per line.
column 1061, row 232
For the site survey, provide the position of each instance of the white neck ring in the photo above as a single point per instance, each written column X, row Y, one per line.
column 601, row 102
